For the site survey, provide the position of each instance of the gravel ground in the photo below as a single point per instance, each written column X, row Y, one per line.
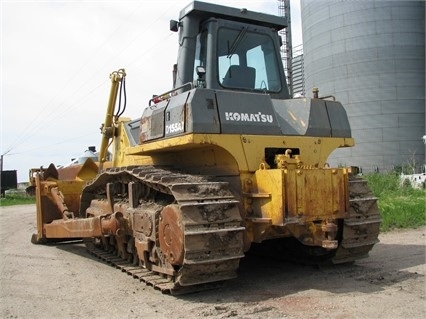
column 64, row 281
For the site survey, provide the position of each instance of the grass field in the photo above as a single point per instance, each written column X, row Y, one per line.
column 16, row 199
column 401, row 205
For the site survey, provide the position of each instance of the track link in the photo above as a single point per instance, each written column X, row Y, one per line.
column 150, row 278
column 208, row 217
column 361, row 229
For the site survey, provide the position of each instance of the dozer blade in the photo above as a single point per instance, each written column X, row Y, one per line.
column 58, row 198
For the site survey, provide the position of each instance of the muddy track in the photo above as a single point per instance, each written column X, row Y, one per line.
column 150, row 278
column 361, row 229
column 194, row 232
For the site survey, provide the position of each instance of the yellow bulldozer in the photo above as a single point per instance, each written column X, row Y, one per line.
column 223, row 161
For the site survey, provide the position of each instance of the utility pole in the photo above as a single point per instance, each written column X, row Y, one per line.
column 2, row 158
column 1, row 175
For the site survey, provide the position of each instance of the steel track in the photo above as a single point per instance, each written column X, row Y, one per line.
column 156, row 280
column 211, row 228
column 361, row 229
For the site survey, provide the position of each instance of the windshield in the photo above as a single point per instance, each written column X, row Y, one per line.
column 247, row 60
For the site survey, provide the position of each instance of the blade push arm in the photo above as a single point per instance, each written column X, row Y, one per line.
column 107, row 128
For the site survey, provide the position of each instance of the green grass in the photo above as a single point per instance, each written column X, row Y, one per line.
column 16, row 199
column 401, row 206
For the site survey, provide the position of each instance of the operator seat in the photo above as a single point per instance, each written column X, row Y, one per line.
column 239, row 76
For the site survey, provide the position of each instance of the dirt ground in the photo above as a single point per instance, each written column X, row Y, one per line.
column 64, row 281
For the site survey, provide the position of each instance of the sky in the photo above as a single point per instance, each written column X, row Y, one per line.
column 56, row 57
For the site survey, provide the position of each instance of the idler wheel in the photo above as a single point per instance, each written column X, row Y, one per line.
column 171, row 234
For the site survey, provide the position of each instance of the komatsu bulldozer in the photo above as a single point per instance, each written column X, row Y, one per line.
column 223, row 161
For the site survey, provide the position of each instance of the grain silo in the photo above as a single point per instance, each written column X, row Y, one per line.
column 371, row 56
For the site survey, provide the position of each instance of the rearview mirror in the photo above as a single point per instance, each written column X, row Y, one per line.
column 174, row 25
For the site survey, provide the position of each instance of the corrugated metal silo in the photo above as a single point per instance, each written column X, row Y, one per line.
column 371, row 56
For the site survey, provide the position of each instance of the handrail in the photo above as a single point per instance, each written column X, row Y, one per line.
column 166, row 95
column 328, row 97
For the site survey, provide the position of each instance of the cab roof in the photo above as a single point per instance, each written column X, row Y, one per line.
column 203, row 10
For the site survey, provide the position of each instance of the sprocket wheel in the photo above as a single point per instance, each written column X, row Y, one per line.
column 171, row 234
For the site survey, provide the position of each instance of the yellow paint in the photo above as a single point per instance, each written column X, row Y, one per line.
column 248, row 151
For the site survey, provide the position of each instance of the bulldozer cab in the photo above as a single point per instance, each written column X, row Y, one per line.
column 229, row 49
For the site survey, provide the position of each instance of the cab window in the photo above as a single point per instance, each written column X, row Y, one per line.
column 247, row 60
